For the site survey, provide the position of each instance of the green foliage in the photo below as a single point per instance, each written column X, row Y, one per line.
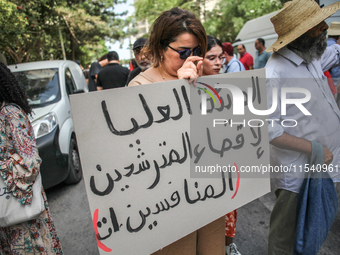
column 151, row 9
column 30, row 29
column 90, row 53
column 229, row 16
column 12, row 21
column 17, row 29
column 224, row 22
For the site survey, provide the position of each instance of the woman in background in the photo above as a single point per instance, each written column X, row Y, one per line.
column 212, row 64
column 37, row 236
column 214, row 57
column 175, row 47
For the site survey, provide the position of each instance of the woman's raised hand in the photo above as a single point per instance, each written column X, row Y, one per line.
column 190, row 70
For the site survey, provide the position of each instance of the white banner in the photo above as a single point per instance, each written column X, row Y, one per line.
column 140, row 153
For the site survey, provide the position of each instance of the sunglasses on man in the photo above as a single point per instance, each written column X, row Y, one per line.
column 137, row 50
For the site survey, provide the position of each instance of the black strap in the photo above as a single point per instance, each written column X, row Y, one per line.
column 226, row 70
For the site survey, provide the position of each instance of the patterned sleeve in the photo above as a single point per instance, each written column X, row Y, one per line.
column 19, row 158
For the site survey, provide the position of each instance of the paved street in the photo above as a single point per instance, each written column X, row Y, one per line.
column 253, row 226
column 71, row 214
column 70, row 211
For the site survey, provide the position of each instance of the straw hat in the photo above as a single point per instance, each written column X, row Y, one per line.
column 334, row 28
column 296, row 18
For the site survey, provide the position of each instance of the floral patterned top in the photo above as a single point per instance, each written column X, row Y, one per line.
column 18, row 147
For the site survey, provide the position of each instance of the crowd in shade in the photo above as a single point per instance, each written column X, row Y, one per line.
column 179, row 48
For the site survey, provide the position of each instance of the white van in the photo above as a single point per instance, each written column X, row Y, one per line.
column 48, row 85
column 254, row 29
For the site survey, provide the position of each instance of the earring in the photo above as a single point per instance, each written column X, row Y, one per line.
column 161, row 58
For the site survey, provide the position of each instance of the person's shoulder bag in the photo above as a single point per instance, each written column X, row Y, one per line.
column 317, row 206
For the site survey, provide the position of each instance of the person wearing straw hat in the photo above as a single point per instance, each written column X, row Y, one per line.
column 300, row 52
column 333, row 33
column 333, row 36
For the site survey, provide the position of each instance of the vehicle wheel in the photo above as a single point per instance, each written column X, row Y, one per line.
column 74, row 164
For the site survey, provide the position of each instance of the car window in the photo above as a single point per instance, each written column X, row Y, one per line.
column 69, row 82
column 41, row 86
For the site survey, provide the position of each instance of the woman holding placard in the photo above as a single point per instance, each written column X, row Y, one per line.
column 20, row 232
column 176, row 46
column 176, row 51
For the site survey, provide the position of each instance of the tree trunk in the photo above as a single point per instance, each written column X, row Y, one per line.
column 12, row 54
column 72, row 47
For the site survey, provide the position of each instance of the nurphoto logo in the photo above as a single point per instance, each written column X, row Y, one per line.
column 238, row 99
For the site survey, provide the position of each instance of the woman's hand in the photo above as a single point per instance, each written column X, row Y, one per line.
column 191, row 71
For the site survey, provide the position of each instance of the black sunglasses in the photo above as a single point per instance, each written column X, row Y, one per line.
column 184, row 54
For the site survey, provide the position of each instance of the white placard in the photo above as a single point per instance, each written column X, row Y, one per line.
column 137, row 155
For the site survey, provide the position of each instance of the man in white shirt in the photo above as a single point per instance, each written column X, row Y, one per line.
column 300, row 57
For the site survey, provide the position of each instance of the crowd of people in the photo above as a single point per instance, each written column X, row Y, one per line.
column 107, row 73
column 178, row 48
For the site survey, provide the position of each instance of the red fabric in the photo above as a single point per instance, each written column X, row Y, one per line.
column 330, row 82
column 131, row 66
column 230, row 223
column 247, row 60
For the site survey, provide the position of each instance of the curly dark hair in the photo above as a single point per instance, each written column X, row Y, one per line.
column 11, row 91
